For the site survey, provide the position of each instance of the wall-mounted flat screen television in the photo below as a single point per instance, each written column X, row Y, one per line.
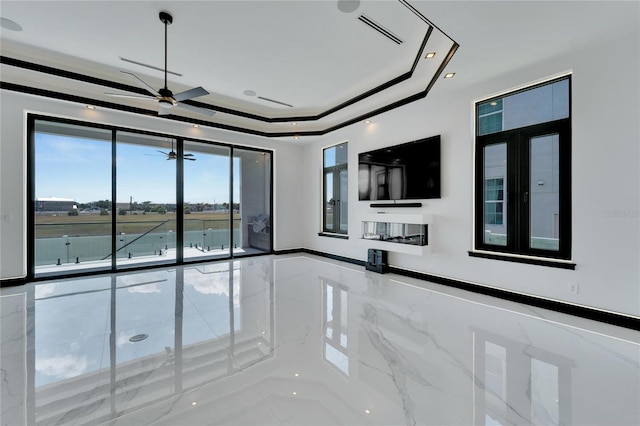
column 410, row 171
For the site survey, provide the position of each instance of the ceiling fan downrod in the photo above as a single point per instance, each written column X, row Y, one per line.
column 167, row 20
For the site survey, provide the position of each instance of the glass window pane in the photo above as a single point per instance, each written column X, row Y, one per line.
column 544, row 190
column 252, row 202
column 330, row 157
column 206, row 201
column 344, row 204
column 495, row 171
column 540, row 104
column 336, row 155
column 73, row 198
column 146, row 199
column 328, row 201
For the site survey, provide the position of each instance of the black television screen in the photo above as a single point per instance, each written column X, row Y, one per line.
column 410, row 171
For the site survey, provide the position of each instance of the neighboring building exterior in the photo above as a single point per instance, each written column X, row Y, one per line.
column 55, row 204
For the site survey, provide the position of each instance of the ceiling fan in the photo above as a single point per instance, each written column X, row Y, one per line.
column 165, row 97
column 172, row 155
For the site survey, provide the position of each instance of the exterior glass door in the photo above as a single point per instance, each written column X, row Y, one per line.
column 145, row 206
column 252, row 227
column 206, row 201
column 72, row 188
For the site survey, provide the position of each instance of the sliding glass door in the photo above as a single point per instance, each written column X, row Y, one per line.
column 206, row 209
column 72, row 197
column 105, row 198
column 145, row 208
column 252, row 201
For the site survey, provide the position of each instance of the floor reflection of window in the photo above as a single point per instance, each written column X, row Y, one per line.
column 69, row 349
column 544, row 393
column 495, row 363
column 335, row 326
column 522, row 383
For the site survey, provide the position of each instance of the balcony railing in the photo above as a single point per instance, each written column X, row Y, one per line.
column 74, row 243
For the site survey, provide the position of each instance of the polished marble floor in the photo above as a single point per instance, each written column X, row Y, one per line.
column 297, row 339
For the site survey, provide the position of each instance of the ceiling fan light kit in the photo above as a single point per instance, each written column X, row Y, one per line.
column 164, row 96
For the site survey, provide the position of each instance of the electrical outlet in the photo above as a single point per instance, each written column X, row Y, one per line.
column 573, row 288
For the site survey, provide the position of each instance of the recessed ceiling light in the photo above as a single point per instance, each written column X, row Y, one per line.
column 293, row 123
column 348, row 6
column 91, row 107
column 296, row 375
column 196, row 126
column 367, row 121
column 194, row 403
column 296, row 137
column 367, row 412
column 430, row 55
column 294, row 393
column 449, row 75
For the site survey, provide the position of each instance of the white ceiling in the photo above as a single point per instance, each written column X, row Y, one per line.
column 307, row 54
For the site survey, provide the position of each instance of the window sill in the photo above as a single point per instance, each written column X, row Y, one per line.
column 553, row 263
column 330, row 235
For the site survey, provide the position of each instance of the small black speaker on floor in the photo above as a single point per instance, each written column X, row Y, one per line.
column 377, row 261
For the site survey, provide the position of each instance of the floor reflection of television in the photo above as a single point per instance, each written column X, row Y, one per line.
column 410, row 171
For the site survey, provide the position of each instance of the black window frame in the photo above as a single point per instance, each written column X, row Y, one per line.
column 517, row 184
column 334, row 170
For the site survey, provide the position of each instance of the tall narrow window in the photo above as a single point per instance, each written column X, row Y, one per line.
column 523, row 172
column 335, row 183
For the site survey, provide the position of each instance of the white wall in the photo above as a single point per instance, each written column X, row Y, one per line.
column 605, row 180
column 13, row 197
column 606, row 190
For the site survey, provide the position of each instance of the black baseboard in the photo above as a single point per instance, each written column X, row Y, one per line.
column 13, row 282
column 581, row 311
column 322, row 254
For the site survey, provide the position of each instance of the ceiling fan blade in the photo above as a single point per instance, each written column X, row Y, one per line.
column 188, row 155
column 189, row 94
column 162, row 152
column 195, row 109
column 142, row 84
column 118, row 95
column 190, row 159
